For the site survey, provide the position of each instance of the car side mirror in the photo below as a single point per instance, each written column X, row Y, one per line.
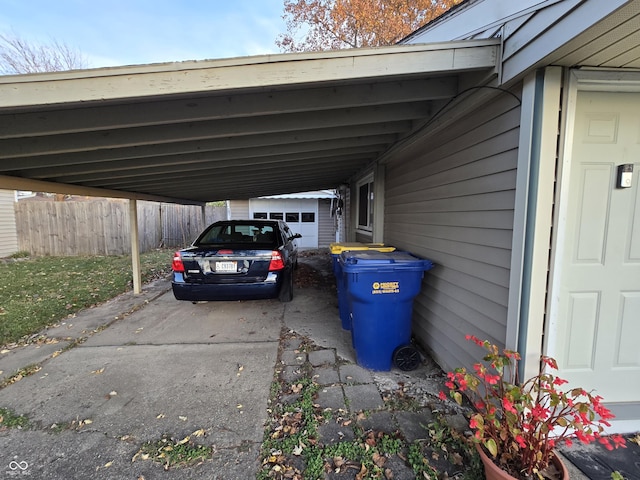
column 296, row 235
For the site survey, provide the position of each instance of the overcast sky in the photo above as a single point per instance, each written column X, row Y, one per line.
column 130, row 32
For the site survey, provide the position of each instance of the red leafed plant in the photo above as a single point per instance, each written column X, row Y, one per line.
column 519, row 424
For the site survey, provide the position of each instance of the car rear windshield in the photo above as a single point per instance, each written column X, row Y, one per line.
column 243, row 233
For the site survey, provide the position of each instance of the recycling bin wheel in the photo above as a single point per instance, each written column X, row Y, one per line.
column 406, row 358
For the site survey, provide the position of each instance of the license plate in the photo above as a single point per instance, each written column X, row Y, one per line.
column 230, row 267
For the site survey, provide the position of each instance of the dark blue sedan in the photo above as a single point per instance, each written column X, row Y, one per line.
column 237, row 259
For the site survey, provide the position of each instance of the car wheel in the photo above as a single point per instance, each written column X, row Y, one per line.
column 286, row 290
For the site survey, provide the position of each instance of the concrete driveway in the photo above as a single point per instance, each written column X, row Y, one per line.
column 139, row 368
column 164, row 368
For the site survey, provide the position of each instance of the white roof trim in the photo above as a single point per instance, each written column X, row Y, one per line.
column 472, row 18
column 246, row 72
column 314, row 195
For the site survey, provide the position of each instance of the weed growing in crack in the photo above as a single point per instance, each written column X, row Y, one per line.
column 9, row 419
column 295, row 447
column 174, row 453
column 20, row 374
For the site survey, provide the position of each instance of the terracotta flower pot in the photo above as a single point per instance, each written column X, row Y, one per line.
column 493, row 472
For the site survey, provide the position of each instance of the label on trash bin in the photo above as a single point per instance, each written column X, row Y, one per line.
column 385, row 287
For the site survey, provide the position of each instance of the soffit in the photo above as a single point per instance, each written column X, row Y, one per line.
column 226, row 129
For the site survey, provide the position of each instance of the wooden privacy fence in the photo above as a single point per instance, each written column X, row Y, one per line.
column 101, row 227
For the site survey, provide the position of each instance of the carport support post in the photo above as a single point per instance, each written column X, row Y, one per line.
column 135, row 246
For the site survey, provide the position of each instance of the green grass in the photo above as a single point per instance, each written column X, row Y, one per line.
column 291, row 449
column 8, row 419
column 36, row 292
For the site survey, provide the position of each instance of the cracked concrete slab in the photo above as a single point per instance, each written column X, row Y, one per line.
column 167, row 367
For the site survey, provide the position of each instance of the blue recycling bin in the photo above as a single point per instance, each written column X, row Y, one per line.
column 337, row 249
column 381, row 287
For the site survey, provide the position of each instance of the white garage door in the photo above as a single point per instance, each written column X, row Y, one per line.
column 300, row 214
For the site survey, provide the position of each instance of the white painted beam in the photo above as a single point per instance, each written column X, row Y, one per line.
column 19, row 183
column 204, row 160
column 249, row 72
column 163, row 134
column 159, row 153
column 204, row 106
column 135, row 247
column 237, row 166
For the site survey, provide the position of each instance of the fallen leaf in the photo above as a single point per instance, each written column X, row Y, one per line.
column 160, row 415
column 297, row 450
column 98, row 372
column 239, row 405
column 378, row 459
column 184, row 419
column 108, row 464
column 113, row 393
column 199, row 433
column 362, row 473
column 184, row 440
column 56, row 353
column 5, row 351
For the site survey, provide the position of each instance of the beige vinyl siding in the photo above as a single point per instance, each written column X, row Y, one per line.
column 450, row 198
column 239, row 209
column 8, row 233
column 326, row 224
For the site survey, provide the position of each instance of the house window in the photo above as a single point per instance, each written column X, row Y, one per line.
column 276, row 216
column 308, row 217
column 292, row 217
column 365, row 206
column 260, row 215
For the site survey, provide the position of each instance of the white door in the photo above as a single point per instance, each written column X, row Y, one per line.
column 597, row 316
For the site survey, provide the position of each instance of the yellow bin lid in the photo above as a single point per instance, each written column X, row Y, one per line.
column 338, row 247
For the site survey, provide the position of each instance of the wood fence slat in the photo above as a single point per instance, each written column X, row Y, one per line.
column 101, row 227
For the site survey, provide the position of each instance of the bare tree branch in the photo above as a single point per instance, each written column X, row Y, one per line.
column 18, row 56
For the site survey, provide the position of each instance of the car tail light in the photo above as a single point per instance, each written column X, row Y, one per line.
column 177, row 264
column 276, row 261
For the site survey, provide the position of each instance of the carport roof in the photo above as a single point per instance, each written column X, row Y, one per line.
column 237, row 128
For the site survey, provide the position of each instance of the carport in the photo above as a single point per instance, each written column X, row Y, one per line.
column 200, row 131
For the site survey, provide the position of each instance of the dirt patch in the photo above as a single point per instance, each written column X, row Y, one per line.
column 315, row 270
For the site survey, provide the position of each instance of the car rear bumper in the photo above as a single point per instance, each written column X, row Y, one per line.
column 196, row 292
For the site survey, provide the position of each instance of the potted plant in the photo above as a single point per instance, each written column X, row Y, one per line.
column 518, row 425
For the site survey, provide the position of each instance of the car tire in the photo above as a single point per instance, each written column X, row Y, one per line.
column 286, row 290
